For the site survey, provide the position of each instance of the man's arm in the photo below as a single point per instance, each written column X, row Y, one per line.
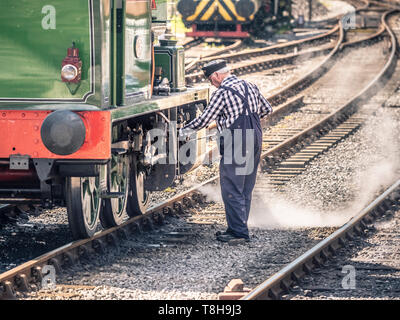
column 210, row 113
column 265, row 106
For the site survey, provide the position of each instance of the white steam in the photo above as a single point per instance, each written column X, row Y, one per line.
column 375, row 168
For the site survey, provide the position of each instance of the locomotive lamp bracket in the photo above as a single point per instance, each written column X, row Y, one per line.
column 71, row 69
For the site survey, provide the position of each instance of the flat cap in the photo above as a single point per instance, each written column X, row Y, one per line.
column 213, row 66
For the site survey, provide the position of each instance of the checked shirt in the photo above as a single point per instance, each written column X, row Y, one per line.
column 225, row 107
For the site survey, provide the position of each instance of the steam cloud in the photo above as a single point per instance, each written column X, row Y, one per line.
column 375, row 168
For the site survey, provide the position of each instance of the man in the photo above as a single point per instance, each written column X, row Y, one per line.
column 236, row 106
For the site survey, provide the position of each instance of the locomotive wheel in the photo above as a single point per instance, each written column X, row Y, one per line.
column 114, row 210
column 83, row 205
column 139, row 197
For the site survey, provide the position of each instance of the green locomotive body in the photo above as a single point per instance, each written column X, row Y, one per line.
column 77, row 108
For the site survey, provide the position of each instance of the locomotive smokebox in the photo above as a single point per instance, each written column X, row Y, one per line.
column 63, row 132
column 186, row 7
column 246, row 8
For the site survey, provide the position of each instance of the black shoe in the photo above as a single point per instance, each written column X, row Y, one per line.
column 219, row 233
column 231, row 239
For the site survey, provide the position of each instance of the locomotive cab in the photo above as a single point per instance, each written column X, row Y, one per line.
column 82, row 127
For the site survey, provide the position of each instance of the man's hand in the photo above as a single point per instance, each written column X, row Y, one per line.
column 212, row 126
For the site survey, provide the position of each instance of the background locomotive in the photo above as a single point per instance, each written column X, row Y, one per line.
column 76, row 107
column 233, row 18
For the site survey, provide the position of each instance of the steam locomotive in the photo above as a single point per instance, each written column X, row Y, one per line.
column 233, row 18
column 77, row 107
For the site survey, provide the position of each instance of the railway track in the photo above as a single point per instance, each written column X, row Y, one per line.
column 317, row 256
column 25, row 276
column 360, row 5
column 243, row 61
column 278, row 54
column 193, row 61
column 368, row 267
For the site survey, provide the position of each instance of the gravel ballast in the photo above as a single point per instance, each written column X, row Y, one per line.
column 200, row 267
column 283, row 226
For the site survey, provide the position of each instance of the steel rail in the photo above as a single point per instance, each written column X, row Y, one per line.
column 24, row 276
column 275, row 48
column 365, row 5
column 284, row 94
column 294, row 43
column 271, row 49
column 322, row 67
column 191, row 43
column 385, row 4
column 282, row 280
column 193, row 63
column 191, row 78
column 351, row 105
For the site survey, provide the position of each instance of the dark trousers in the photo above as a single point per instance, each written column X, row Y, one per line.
column 236, row 190
column 237, row 184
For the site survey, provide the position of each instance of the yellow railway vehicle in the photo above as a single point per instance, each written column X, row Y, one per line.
column 232, row 18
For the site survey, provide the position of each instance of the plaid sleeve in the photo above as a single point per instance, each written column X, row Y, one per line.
column 210, row 113
column 265, row 106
